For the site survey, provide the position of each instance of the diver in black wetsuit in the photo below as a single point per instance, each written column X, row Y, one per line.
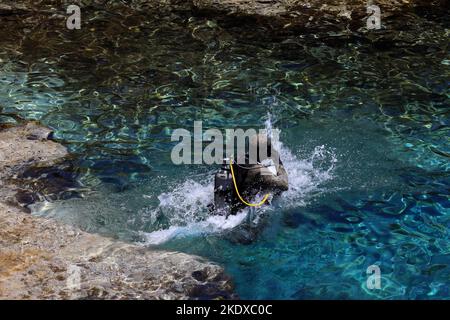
column 266, row 176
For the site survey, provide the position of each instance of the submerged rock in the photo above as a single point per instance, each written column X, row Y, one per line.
column 311, row 15
column 25, row 146
column 263, row 8
column 213, row 21
column 286, row 7
column 44, row 259
column 21, row 148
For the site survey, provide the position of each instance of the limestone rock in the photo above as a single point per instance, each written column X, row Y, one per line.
column 27, row 145
column 44, row 259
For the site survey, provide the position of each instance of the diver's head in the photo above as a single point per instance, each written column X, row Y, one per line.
column 262, row 143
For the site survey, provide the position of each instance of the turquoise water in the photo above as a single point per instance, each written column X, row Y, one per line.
column 364, row 120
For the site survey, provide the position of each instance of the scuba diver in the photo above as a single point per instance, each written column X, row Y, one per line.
column 236, row 183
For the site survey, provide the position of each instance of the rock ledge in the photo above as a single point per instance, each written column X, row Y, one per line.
column 44, row 259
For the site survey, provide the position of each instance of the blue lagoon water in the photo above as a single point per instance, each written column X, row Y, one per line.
column 364, row 118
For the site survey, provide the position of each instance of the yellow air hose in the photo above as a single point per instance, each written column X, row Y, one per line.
column 239, row 195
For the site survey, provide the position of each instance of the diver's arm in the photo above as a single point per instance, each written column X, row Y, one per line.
column 279, row 182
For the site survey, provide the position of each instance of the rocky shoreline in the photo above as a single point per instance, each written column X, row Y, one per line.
column 291, row 11
column 44, row 259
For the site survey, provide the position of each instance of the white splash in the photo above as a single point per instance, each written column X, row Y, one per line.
column 187, row 202
column 212, row 224
column 306, row 175
column 186, row 206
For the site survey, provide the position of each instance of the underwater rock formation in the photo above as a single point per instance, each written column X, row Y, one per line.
column 27, row 145
column 44, row 259
column 293, row 9
column 310, row 14
column 278, row 16
column 296, row 7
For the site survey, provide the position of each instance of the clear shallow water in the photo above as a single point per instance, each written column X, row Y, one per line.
column 364, row 120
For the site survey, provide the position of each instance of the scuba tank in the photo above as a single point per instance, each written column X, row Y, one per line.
column 223, row 189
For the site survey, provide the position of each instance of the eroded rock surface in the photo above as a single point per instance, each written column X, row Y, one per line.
column 294, row 7
column 268, row 8
column 27, row 145
column 44, row 259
